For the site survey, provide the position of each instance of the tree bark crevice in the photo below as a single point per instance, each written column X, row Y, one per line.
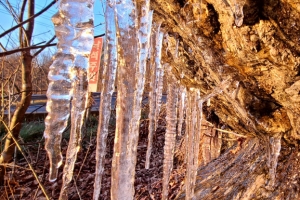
column 260, row 58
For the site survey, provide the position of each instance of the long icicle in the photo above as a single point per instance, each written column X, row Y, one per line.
column 80, row 20
column 130, row 86
column 194, row 116
column 274, row 152
column 75, row 40
column 170, row 137
column 160, row 80
column 181, row 108
column 156, row 77
column 108, row 82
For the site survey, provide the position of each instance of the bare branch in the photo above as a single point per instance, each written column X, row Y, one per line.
column 41, row 49
column 29, row 19
column 30, row 25
column 25, row 49
column 21, row 30
column 4, row 49
column 34, row 47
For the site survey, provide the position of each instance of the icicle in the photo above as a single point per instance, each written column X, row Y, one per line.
column 80, row 20
column 69, row 70
column 109, row 74
column 132, row 43
column 206, row 144
column 275, row 146
column 194, row 118
column 176, row 48
column 170, row 137
column 238, row 12
column 216, row 144
column 58, row 104
column 156, row 84
column 181, row 108
column 160, row 84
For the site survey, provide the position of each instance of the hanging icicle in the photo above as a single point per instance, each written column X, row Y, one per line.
column 193, row 132
column 159, row 89
column 68, row 77
column 81, row 19
column 181, row 108
column 238, row 12
column 108, row 85
column 274, row 151
column 156, row 84
column 170, row 137
column 216, row 144
column 132, row 46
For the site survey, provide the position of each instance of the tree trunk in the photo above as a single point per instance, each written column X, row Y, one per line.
column 244, row 174
column 19, row 114
column 254, row 47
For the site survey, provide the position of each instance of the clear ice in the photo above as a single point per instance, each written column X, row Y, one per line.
column 275, row 147
column 132, row 31
column 238, row 12
column 193, row 133
column 181, row 108
column 108, row 82
column 170, row 137
column 156, row 84
column 68, row 79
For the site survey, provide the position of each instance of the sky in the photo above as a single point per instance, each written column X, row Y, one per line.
column 43, row 29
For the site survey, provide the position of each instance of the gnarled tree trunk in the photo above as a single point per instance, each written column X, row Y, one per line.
column 254, row 45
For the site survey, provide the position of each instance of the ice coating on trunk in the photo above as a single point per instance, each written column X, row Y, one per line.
column 193, row 132
column 68, row 76
column 130, row 85
column 156, row 83
column 275, row 147
column 170, row 137
column 181, row 108
column 108, row 82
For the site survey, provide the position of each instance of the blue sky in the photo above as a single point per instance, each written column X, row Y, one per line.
column 44, row 29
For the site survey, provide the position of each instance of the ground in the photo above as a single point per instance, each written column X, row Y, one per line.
column 21, row 184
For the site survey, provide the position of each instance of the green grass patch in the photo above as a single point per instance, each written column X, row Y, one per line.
column 32, row 131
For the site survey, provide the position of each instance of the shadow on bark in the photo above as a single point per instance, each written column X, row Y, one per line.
column 245, row 175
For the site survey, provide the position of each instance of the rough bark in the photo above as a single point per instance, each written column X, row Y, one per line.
column 259, row 53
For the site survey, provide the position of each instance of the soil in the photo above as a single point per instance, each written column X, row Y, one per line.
column 20, row 182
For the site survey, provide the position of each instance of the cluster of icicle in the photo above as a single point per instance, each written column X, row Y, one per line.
column 68, row 80
column 130, row 40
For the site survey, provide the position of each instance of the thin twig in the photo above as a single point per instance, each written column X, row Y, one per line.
column 6, row 53
column 41, row 49
column 38, row 153
column 14, row 165
column 230, row 132
column 76, row 188
column 11, row 190
column 29, row 19
column 35, row 194
column 30, row 166
column 24, row 49
column 85, row 157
